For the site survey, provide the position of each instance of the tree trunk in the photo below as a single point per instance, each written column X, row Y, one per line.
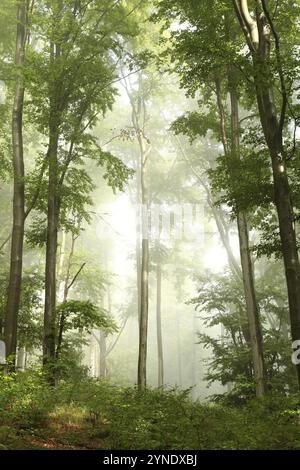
column 51, row 250
column 143, row 329
column 219, row 216
column 257, row 36
column 61, row 265
column 160, row 357
column 195, row 362
column 102, row 364
column 138, row 237
column 247, row 267
column 243, row 233
column 49, row 340
column 179, row 350
column 66, row 288
column 143, row 326
column 286, row 224
column 252, row 309
column 139, row 122
column 16, row 259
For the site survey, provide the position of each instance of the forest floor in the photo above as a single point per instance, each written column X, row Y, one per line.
column 74, row 429
column 64, row 429
column 89, row 414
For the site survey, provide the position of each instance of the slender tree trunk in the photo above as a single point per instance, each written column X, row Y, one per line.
column 221, row 223
column 51, row 251
column 61, row 265
column 49, row 341
column 195, row 362
column 103, row 352
column 138, row 267
column 256, row 342
column 179, row 350
column 143, row 337
column 102, row 340
column 243, row 233
column 143, row 326
column 16, row 259
column 67, row 285
column 160, row 356
column 247, row 266
column 138, row 238
column 139, row 121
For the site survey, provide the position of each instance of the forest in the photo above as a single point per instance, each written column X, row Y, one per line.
column 149, row 225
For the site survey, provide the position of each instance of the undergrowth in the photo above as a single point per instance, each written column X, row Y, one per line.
column 97, row 414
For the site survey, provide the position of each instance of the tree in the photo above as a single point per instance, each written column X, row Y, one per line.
column 220, row 302
column 246, row 261
column 201, row 69
column 270, row 72
column 17, row 238
column 81, row 315
column 139, row 116
column 159, row 256
column 71, row 83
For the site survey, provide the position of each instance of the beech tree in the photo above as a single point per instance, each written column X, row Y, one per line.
column 201, row 49
column 14, row 288
column 138, row 102
column 273, row 82
column 71, row 76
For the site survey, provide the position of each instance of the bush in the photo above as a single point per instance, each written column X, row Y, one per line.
column 123, row 418
column 25, row 399
column 157, row 419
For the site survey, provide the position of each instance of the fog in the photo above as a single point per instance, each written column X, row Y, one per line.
column 112, row 239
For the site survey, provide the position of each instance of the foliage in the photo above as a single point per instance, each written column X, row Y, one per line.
column 128, row 420
column 25, row 399
column 84, row 315
column 221, row 303
column 69, row 91
column 30, row 319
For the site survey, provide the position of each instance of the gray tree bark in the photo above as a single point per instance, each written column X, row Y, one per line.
column 160, row 355
column 243, row 233
column 258, row 39
column 247, row 266
column 17, row 239
column 103, row 352
column 138, row 108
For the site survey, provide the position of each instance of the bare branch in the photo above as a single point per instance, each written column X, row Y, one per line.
column 5, row 242
column 76, row 275
column 113, row 344
column 37, row 191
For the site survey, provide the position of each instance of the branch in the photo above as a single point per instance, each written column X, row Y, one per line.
column 37, row 192
column 243, row 25
column 250, row 23
column 111, row 347
column 251, row 116
column 279, row 64
column 76, row 275
column 5, row 242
